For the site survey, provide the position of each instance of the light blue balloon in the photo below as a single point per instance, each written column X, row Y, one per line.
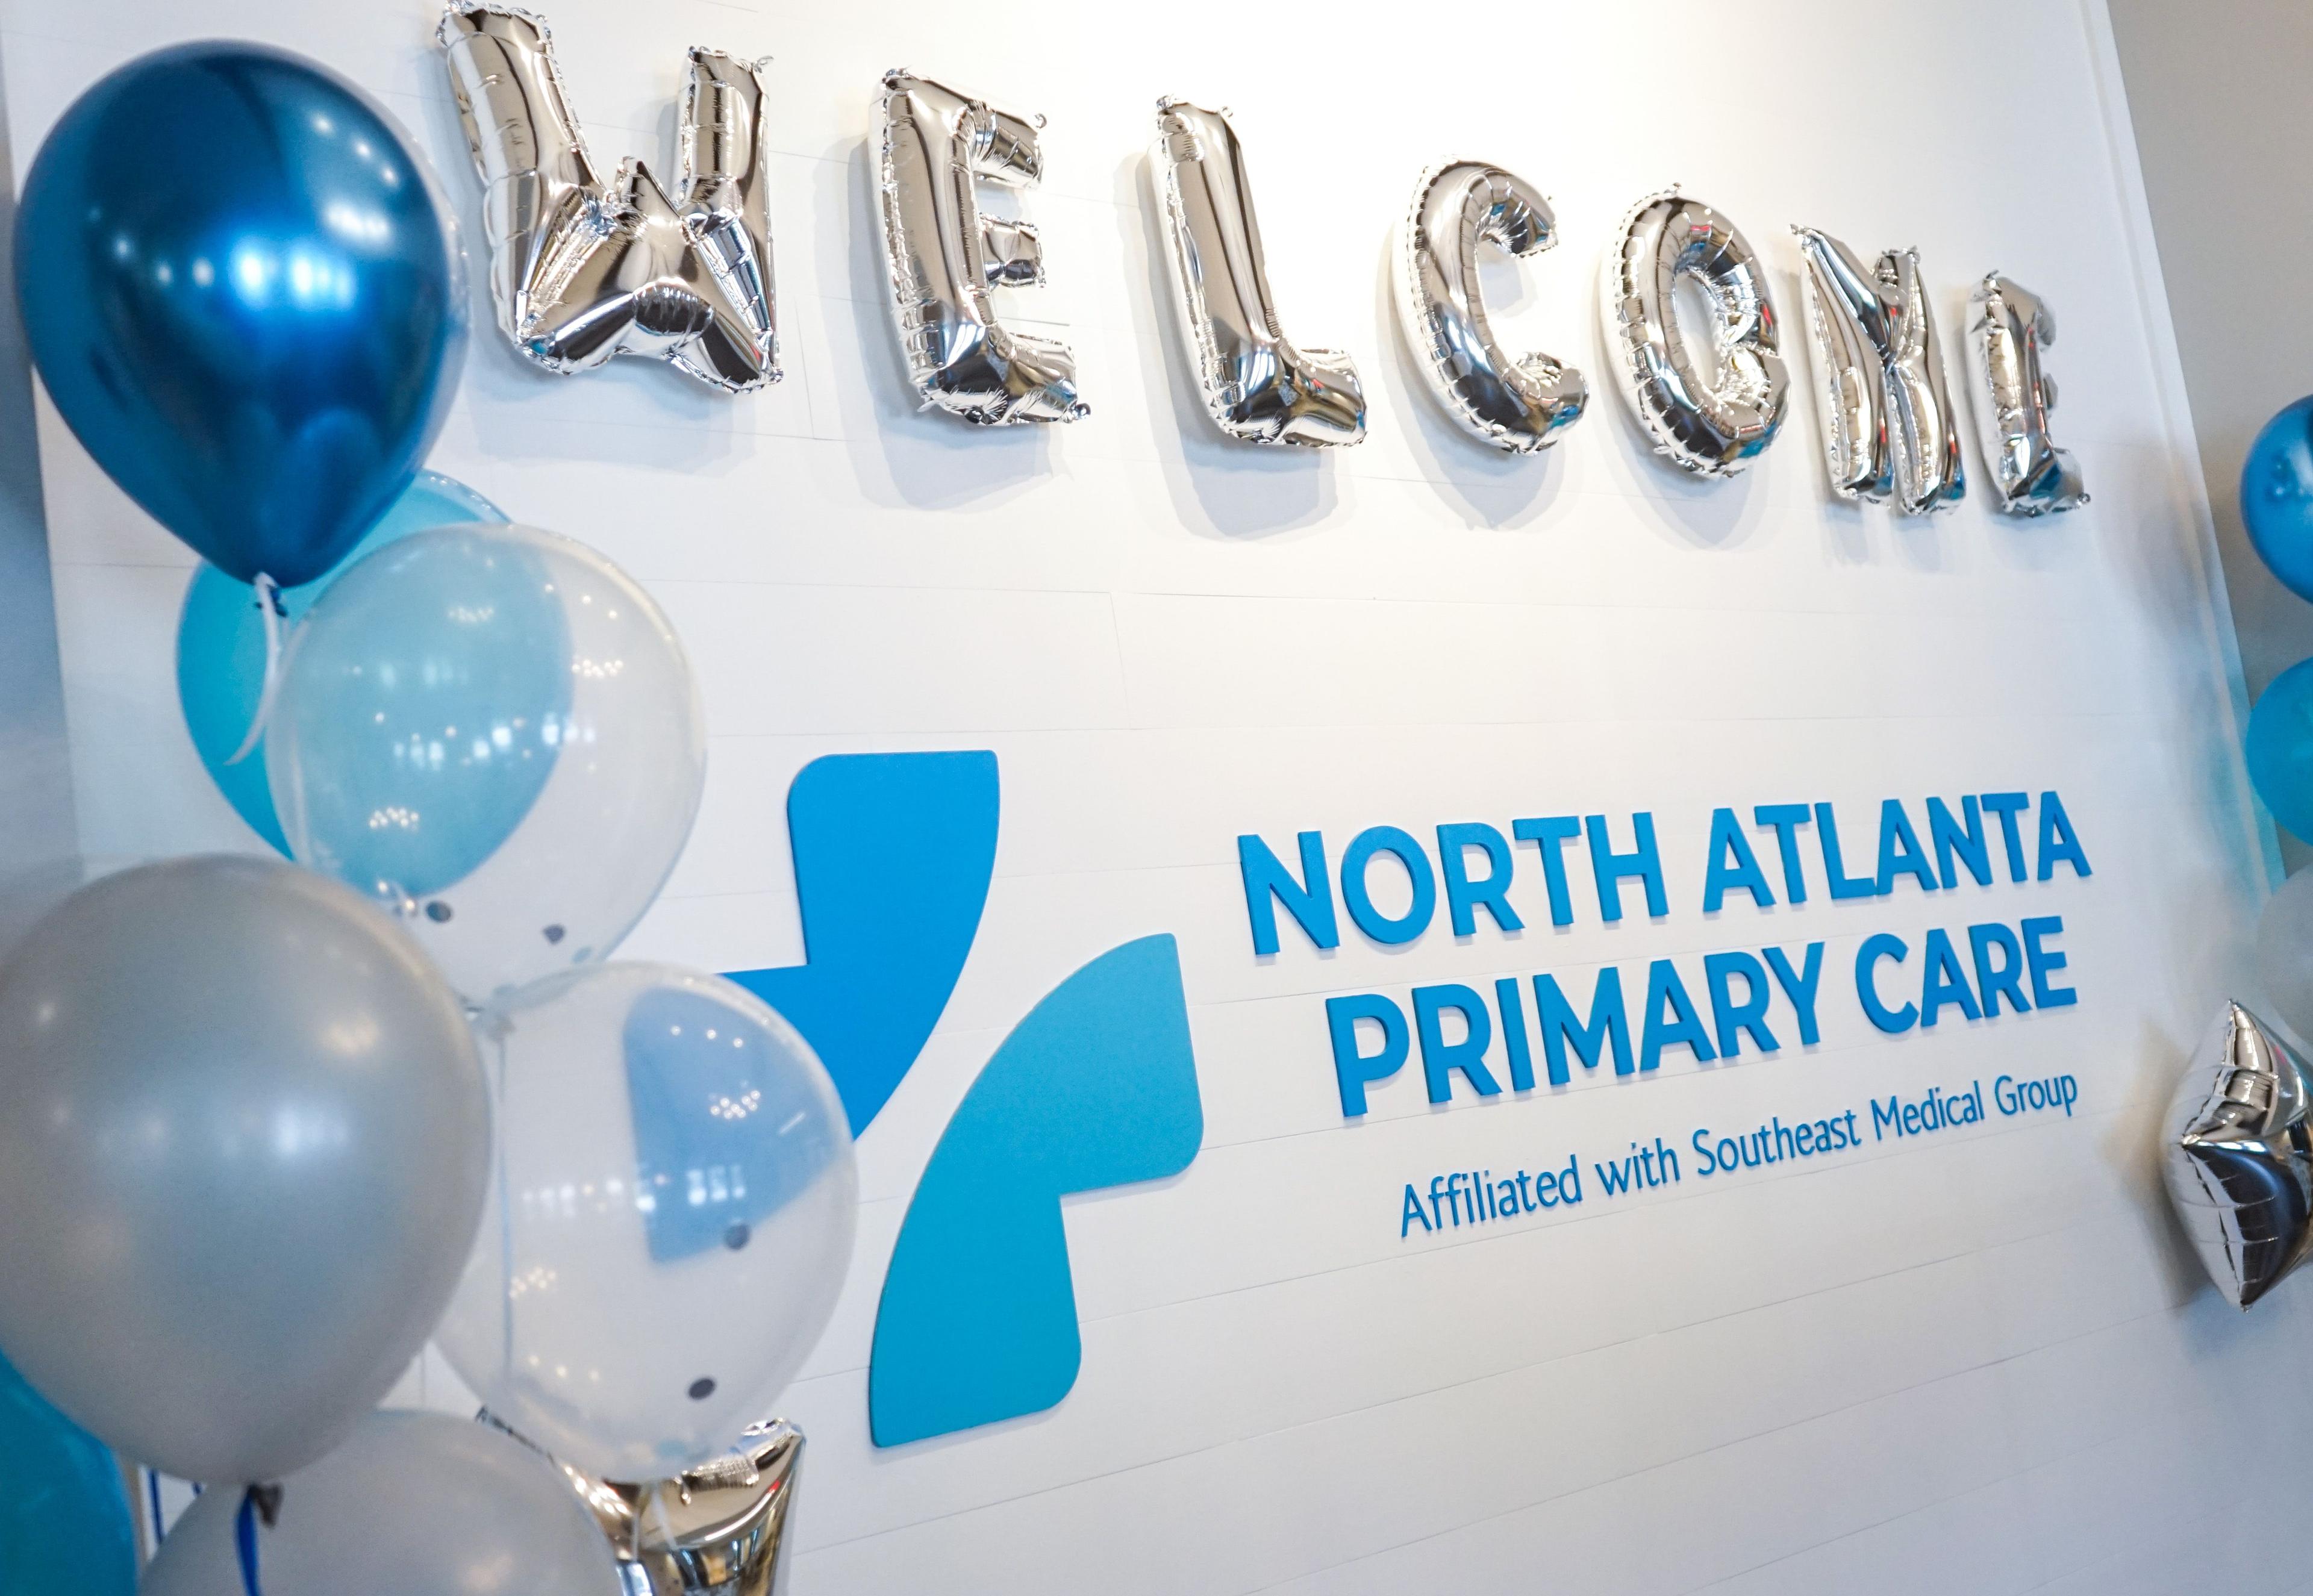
column 423, row 708
column 221, row 644
column 64, row 1517
column 2280, row 748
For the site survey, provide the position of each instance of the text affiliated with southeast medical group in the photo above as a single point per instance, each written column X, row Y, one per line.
column 1450, row 1200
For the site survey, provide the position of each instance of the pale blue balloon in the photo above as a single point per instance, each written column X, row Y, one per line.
column 64, row 1517
column 423, row 709
column 221, row 644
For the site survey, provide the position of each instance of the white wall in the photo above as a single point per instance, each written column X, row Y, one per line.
column 1979, row 1361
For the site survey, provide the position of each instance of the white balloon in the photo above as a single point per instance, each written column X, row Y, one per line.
column 670, row 1219
column 412, row 1504
column 2284, row 953
column 494, row 732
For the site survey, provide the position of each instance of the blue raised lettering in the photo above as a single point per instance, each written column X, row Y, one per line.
column 1355, row 1071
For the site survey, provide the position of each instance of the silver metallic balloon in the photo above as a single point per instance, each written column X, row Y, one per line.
column 1710, row 411
column 244, row 1139
column 581, row 270
column 2240, row 1156
column 2007, row 330
column 1517, row 403
column 943, row 255
column 718, row 1530
column 411, row 1505
column 1889, row 427
column 1259, row 387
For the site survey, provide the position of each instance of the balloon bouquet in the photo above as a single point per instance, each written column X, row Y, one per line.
column 266, row 1127
column 2239, row 1143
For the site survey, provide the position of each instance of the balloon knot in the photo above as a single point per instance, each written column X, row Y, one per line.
column 261, row 1501
column 266, row 1499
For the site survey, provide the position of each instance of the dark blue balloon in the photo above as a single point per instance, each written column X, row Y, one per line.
column 2276, row 496
column 243, row 294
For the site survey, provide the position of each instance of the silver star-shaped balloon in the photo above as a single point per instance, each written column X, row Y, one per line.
column 2240, row 1156
column 716, row 1529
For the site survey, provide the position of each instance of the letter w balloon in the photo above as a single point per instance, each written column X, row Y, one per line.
column 582, row 270
column 242, row 297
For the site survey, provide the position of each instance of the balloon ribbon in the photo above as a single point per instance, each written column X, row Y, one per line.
column 269, row 606
column 258, row 1502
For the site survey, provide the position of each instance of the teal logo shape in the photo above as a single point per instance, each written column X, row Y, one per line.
column 893, row 857
column 1097, row 1087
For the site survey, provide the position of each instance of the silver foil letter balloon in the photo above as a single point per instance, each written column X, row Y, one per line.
column 943, row 255
column 1889, row 430
column 581, row 270
column 1258, row 385
column 2007, row 332
column 1709, row 409
column 2238, row 1156
column 1517, row 403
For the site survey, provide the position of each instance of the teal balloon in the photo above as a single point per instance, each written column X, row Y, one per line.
column 64, row 1517
column 221, row 644
column 422, row 709
column 2276, row 496
column 2281, row 748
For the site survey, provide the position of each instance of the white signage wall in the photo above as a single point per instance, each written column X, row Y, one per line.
column 1954, row 1344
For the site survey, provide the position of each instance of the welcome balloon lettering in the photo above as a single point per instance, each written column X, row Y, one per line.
column 1712, row 397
